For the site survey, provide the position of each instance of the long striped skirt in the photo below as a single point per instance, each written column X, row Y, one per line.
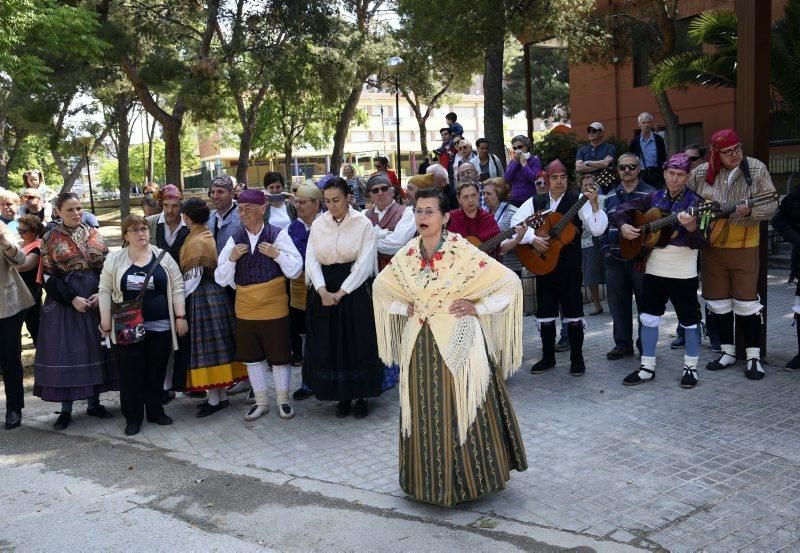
column 207, row 351
column 434, row 467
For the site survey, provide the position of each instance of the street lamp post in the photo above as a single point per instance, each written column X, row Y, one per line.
column 395, row 66
column 86, row 139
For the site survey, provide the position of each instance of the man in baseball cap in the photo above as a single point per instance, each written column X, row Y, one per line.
column 596, row 155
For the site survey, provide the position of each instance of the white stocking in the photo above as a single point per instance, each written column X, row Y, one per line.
column 283, row 380
column 257, row 372
column 213, row 396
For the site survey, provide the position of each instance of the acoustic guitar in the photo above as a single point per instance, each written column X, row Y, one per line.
column 650, row 224
column 534, row 221
column 715, row 226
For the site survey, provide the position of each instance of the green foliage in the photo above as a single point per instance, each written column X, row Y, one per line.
column 785, row 63
column 549, row 84
column 714, row 68
column 33, row 153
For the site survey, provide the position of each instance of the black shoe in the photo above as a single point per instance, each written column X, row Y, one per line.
column 99, row 411
column 224, row 403
column 794, row 364
column 577, row 367
column 209, row 409
column 542, row 366
column 689, row 378
column 342, row 409
column 13, row 419
column 197, row 395
column 754, row 370
column 361, row 409
column 132, row 429
column 633, row 379
column 63, row 420
column 717, row 365
column 679, row 342
column 563, row 344
column 301, row 393
column 162, row 420
column 618, row 353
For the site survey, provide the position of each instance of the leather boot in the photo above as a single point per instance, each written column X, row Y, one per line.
column 548, row 361
column 575, row 332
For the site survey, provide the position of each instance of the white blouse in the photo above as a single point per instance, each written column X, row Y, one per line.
column 351, row 240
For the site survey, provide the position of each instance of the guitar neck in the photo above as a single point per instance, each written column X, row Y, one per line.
column 493, row 243
column 659, row 224
column 569, row 216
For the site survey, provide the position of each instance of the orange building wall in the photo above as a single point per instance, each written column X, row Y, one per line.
column 606, row 93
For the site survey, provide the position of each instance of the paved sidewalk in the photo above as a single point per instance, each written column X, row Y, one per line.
column 714, row 468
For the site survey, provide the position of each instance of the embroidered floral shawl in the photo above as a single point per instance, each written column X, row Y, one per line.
column 457, row 270
column 79, row 249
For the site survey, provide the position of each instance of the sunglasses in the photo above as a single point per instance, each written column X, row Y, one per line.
column 378, row 189
column 23, row 230
column 518, row 147
column 629, row 167
column 592, row 130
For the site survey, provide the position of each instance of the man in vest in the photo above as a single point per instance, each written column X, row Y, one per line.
column 167, row 229
column 224, row 221
column 385, row 213
column 730, row 266
column 256, row 261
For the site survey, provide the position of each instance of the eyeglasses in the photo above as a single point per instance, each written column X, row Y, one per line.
column 303, row 202
column 139, row 230
column 732, row 150
column 378, row 189
column 629, row 167
column 23, row 230
column 426, row 212
column 463, row 147
column 518, row 147
column 693, row 158
column 246, row 211
column 592, row 130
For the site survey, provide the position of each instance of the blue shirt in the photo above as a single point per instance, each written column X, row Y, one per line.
column 11, row 225
column 588, row 152
column 649, row 153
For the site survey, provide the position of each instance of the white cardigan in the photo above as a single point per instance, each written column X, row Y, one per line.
column 115, row 266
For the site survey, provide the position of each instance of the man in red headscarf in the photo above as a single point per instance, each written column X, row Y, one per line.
column 730, row 265
column 561, row 288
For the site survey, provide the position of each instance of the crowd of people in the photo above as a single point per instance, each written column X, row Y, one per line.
column 368, row 285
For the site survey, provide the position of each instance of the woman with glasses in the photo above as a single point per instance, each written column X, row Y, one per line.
column 451, row 317
column 16, row 299
column 280, row 210
column 70, row 361
column 522, row 170
column 30, row 230
column 341, row 363
column 495, row 192
column 142, row 365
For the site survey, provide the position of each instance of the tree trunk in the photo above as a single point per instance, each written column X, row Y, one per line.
column 671, row 121
column 151, row 131
column 123, row 158
column 244, row 154
column 287, row 162
column 493, row 89
column 172, row 150
column 342, row 126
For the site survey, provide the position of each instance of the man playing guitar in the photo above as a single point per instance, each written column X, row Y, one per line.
column 561, row 287
column 730, row 265
column 671, row 270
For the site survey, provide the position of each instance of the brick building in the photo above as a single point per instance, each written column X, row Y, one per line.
column 616, row 93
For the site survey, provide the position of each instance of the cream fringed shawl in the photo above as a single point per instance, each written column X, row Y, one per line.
column 457, row 271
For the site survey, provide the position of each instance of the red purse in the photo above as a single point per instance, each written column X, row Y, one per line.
column 127, row 317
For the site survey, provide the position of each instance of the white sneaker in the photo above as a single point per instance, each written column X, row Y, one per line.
column 285, row 411
column 239, row 387
column 256, row 411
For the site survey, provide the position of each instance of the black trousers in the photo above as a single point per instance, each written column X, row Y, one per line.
column 142, row 367
column 560, row 291
column 11, row 360
column 682, row 292
column 297, row 323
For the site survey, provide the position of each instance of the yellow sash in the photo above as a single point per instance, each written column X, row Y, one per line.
column 298, row 289
column 726, row 234
column 262, row 302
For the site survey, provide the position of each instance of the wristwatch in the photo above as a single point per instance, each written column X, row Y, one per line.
column 180, row 317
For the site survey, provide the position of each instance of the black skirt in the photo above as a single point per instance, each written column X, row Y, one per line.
column 341, row 360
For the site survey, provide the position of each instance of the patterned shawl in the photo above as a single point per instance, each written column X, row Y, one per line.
column 67, row 249
column 457, row 271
